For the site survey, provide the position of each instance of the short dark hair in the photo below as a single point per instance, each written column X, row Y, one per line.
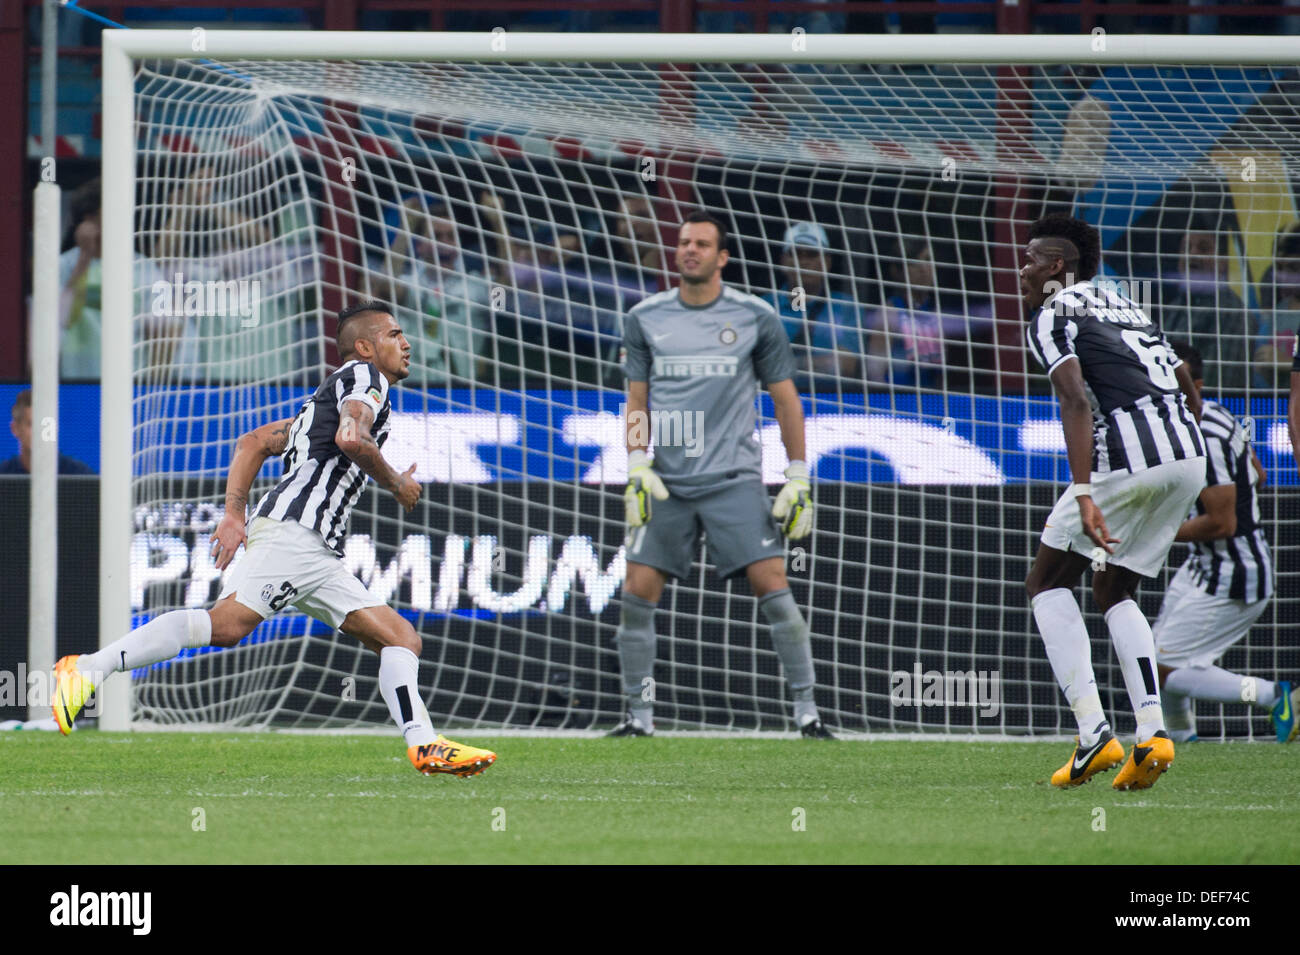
column 85, row 201
column 699, row 215
column 1085, row 238
column 21, row 400
column 1187, row 353
column 345, row 348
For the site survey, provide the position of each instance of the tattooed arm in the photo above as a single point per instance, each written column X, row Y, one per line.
column 355, row 440
column 251, row 452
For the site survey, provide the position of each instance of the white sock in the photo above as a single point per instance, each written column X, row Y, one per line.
column 160, row 639
column 399, row 685
column 1060, row 621
column 1214, row 683
column 1136, row 648
column 1180, row 720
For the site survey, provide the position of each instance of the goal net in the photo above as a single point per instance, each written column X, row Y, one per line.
column 512, row 196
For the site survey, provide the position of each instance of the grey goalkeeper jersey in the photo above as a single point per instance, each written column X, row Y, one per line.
column 704, row 365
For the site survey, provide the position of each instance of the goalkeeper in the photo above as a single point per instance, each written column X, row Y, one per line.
column 703, row 350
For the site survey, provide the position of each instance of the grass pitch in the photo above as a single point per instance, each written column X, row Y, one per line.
column 277, row 798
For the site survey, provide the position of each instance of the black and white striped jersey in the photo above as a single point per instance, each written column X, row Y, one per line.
column 1239, row 567
column 1139, row 416
column 321, row 483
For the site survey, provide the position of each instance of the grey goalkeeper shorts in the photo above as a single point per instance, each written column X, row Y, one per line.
column 736, row 520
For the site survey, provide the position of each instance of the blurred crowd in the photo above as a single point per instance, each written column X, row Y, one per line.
column 491, row 293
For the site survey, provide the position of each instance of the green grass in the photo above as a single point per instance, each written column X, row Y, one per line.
column 272, row 798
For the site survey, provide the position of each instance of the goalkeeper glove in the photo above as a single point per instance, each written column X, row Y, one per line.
column 793, row 509
column 642, row 485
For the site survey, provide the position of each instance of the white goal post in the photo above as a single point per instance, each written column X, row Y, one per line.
column 396, row 91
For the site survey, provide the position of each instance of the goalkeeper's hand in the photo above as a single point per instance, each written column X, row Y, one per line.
column 793, row 509
column 642, row 485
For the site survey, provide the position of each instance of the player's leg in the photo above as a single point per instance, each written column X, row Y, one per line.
column 162, row 638
column 341, row 601
column 1180, row 715
column 1180, row 610
column 1050, row 585
column 662, row 548
column 1115, row 592
column 388, row 634
column 392, row 637
column 1191, row 636
column 636, row 640
column 744, row 538
column 1147, row 508
column 790, row 638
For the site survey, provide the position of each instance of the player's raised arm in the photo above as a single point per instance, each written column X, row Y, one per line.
column 251, row 451
column 355, row 440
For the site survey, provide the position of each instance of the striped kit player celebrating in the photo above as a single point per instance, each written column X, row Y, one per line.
column 1224, row 585
column 1129, row 411
column 294, row 543
column 700, row 353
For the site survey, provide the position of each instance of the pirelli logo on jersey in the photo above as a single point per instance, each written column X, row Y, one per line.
column 696, row 366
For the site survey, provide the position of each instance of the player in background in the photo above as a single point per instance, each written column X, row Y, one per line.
column 700, row 353
column 294, row 543
column 1129, row 412
column 1223, row 586
column 1293, row 402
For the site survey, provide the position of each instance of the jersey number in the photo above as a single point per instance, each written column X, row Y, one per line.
column 1154, row 356
column 287, row 590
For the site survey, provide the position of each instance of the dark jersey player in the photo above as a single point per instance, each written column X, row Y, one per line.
column 1129, row 411
column 1224, row 585
column 294, row 541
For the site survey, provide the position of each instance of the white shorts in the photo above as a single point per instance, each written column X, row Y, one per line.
column 1194, row 628
column 287, row 565
column 1143, row 510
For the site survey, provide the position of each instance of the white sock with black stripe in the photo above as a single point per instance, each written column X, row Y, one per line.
column 399, row 685
column 1136, row 649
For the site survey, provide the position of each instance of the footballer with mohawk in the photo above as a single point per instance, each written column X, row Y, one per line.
column 293, row 544
column 1130, row 413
